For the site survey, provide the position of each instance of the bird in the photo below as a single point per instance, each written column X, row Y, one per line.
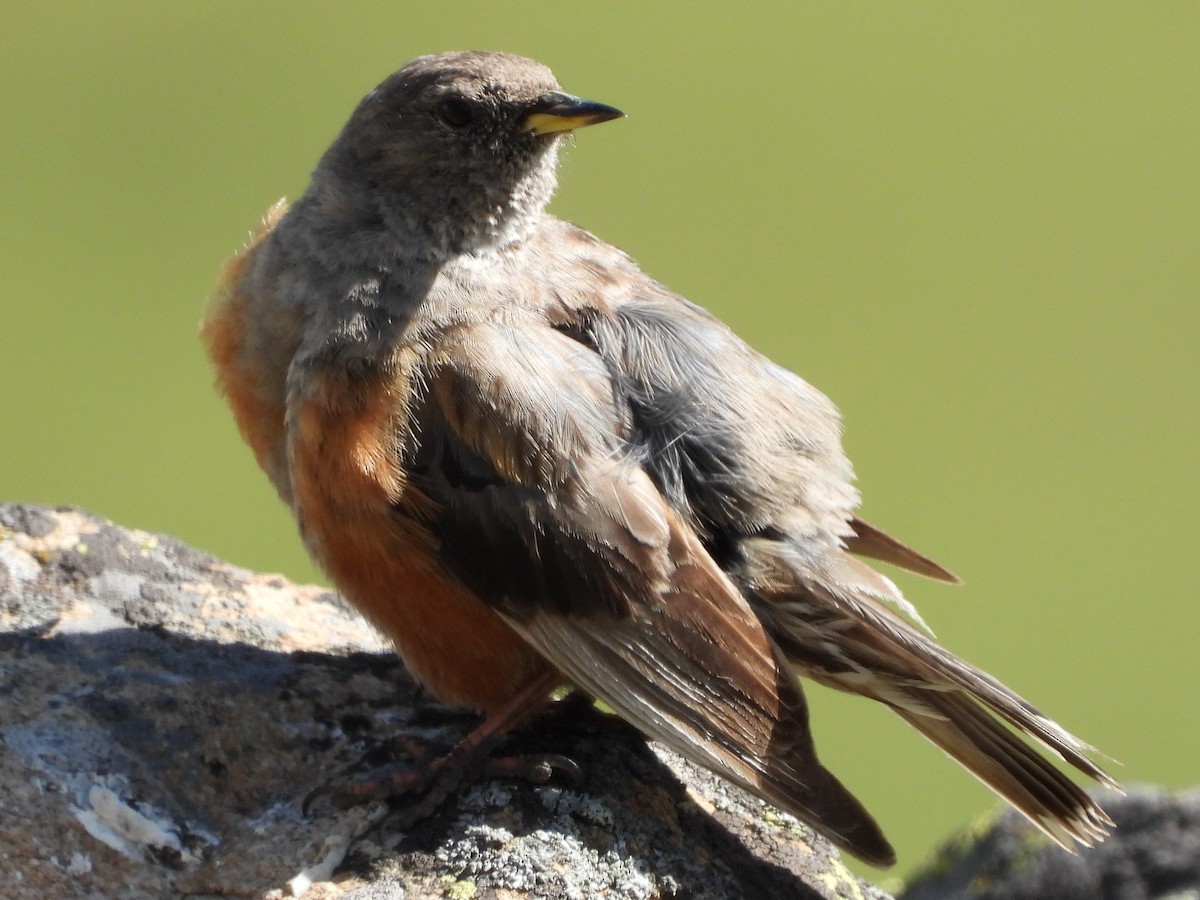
column 532, row 465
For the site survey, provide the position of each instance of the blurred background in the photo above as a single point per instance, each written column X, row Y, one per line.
column 976, row 227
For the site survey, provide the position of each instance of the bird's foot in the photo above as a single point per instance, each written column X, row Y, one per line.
column 429, row 778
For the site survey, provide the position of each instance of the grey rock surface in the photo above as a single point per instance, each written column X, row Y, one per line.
column 1153, row 854
column 163, row 715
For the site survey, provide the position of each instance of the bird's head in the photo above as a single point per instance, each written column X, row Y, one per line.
column 457, row 151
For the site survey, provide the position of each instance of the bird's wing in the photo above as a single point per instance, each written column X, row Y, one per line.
column 750, row 454
column 741, row 447
column 738, row 443
column 867, row 540
column 544, row 508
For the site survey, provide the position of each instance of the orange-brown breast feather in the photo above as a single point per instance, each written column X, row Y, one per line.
column 360, row 518
column 257, row 403
column 333, row 452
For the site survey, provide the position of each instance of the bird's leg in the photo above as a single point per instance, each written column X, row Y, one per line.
column 438, row 776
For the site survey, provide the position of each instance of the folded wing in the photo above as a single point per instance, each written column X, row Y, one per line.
column 545, row 512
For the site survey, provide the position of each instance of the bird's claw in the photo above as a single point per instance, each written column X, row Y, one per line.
column 438, row 777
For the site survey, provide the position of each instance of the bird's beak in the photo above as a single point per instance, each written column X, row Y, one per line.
column 561, row 112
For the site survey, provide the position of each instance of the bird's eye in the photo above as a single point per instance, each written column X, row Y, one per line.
column 455, row 112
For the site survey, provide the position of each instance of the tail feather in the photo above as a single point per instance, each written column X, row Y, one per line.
column 1008, row 765
column 1017, row 711
column 879, row 635
column 967, row 712
column 833, row 626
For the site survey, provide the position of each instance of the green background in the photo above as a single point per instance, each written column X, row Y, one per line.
column 975, row 226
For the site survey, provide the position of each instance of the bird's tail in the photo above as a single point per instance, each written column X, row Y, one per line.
column 983, row 725
column 836, row 623
column 1011, row 767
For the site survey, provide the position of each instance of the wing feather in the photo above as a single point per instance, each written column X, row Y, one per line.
column 867, row 540
column 667, row 518
column 586, row 560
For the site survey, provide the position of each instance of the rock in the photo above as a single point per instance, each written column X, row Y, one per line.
column 163, row 715
column 1154, row 852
